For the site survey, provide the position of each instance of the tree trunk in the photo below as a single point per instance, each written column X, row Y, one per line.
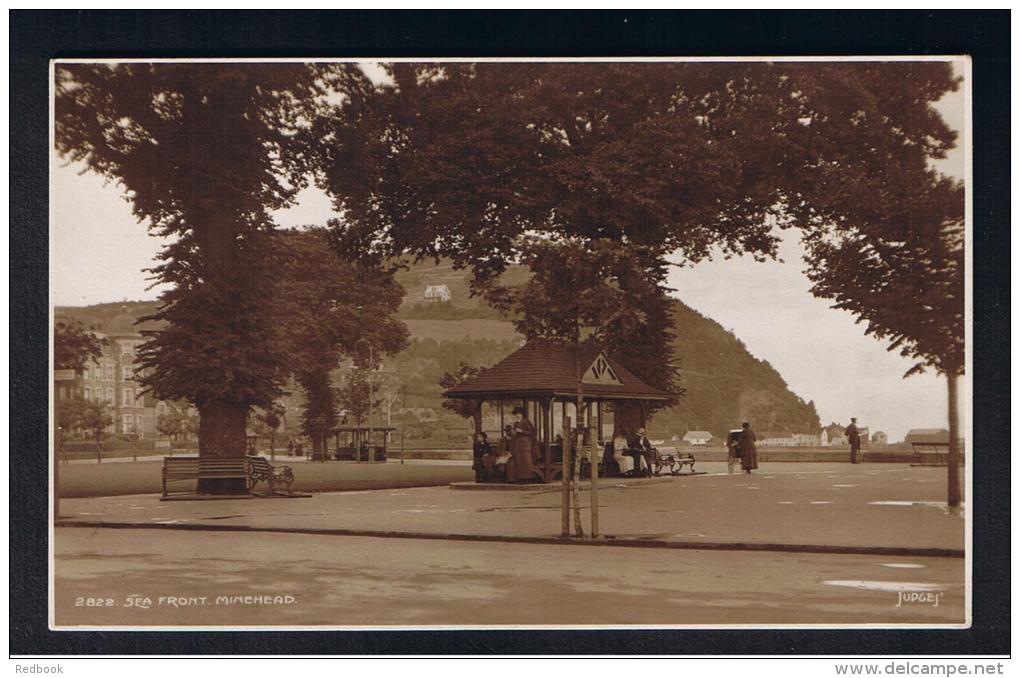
column 954, row 494
column 318, row 449
column 221, row 434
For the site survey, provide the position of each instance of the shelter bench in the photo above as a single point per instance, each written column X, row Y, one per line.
column 196, row 468
column 262, row 470
column 674, row 462
column 931, row 454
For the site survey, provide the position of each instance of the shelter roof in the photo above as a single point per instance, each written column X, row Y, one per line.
column 547, row 368
column 122, row 325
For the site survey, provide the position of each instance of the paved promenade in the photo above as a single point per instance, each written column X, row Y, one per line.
column 810, row 507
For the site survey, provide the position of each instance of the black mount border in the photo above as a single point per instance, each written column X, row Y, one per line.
column 37, row 36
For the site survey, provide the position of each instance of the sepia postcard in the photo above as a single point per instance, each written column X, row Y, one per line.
column 574, row 343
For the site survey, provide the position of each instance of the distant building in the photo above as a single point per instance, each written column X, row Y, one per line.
column 776, row 439
column 833, row 434
column 879, row 438
column 697, row 437
column 111, row 381
column 436, row 293
column 806, row 439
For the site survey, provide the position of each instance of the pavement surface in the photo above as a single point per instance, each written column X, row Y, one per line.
column 167, row 578
column 816, row 507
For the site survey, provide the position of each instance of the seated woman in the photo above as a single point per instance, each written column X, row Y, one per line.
column 620, row 447
column 496, row 460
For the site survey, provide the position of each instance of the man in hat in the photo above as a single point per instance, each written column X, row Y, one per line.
column 647, row 452
column 853, row 436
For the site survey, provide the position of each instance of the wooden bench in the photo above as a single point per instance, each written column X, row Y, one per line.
column 196, row 468
column 932, row 454
column 674, row 461
column 262, row 471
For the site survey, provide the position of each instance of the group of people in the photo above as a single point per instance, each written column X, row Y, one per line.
column 512, row 459
column 634, row 455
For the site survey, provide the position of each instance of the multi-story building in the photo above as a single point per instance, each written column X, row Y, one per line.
column 112, row 381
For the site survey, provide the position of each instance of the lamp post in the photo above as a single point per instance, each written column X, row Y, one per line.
column 371, row 395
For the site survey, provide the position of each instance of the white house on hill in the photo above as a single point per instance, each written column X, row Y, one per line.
column 697, row 437
column 435, row 293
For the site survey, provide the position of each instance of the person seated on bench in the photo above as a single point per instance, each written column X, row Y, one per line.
column 481, row 449
column 495, row 460
column 645, row 451
column 621, row 454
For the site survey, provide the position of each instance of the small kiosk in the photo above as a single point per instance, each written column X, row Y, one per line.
column 361, row 443
column 541, row 378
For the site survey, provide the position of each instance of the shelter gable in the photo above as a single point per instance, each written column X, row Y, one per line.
column 601, row 372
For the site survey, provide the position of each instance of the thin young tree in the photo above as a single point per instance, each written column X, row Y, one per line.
column 905, row 282
column 328, row 308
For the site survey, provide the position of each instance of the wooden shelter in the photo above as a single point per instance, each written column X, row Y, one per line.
column 362, row 443
column 541, row 377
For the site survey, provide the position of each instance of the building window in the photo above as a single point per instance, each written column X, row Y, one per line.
column 62, row 393
column 127, row 397
column 126, row 373
column 109, row 396
column 88, row 393
column 126, row 425
column 109, row 373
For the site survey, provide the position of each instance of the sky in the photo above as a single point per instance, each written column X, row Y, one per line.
column 99, row 252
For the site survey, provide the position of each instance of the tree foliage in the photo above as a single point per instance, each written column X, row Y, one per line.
column 357, row 396
column 460, row 406
column 328, row 308
column 669, row 161
column 905, row 281
column 78, row 414
column 74, row 346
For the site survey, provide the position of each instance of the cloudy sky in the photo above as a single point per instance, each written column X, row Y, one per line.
column 98, row 253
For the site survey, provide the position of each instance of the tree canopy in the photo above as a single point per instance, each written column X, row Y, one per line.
column 74, row 346
column 674, row 161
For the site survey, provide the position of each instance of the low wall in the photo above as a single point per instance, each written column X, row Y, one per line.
column 765, row 454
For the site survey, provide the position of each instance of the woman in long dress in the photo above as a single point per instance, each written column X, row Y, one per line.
column 748, row 452
column 523, row 447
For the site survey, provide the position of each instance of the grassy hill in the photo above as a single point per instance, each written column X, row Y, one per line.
column 724, row 383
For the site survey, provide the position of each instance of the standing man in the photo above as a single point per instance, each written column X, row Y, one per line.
column 748, row 452
column 853, row 436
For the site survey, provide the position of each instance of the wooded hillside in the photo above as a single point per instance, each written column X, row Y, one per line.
column 724, row 383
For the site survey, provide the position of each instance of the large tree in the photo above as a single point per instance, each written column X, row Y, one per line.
column 675, row 160
column 204, row 153
column 905, row 282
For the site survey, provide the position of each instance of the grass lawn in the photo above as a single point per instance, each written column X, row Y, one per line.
column 144, row 477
